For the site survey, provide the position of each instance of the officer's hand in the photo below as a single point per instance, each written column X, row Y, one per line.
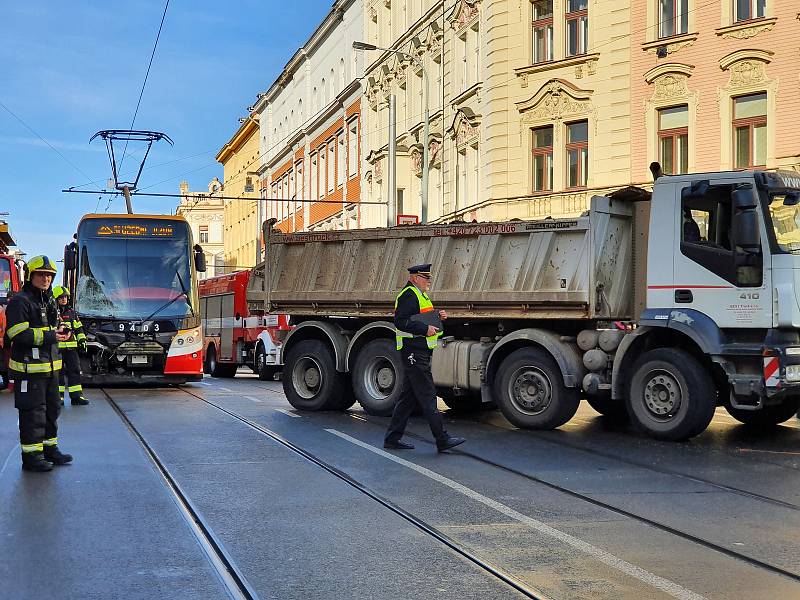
column 442, row 314
column 62, row 337
column 432, row 330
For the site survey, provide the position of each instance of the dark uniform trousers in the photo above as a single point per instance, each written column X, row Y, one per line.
column 39, row 405
column 71, row 373
column 418, row 390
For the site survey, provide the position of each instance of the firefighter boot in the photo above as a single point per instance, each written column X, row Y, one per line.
column 34, row 461
column 79, row 400
column 55, row 456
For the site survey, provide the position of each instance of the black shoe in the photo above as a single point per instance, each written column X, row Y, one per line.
column 34, row 461
column 449, row 442
column 398, row 445
column 79, row 400
column 55, row 456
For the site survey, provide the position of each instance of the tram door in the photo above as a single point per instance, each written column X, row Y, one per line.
column 226, row 335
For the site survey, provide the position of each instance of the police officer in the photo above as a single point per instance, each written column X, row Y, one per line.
column 34, row 332
column 71, row 372
column 416, row 340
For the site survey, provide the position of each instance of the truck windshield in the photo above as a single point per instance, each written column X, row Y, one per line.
column 785, row 213
column 5, row 279
column 127, row 273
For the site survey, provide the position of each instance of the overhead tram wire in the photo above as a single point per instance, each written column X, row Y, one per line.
column 203, row 197
column 144, row 83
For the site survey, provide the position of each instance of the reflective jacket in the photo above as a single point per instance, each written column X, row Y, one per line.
column 68, row 317
column 410, row 333
column 31, row 320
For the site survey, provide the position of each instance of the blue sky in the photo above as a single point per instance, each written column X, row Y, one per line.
column 73, row 68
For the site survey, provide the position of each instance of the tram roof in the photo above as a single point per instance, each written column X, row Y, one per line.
column 133, row 216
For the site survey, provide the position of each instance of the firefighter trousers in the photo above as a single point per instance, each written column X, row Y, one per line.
column 418, row 390
column 39, row 405
column 71, row 374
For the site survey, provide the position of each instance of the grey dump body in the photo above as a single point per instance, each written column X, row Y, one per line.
column 579, row 268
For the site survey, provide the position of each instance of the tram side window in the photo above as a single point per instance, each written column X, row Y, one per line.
column 213, row 314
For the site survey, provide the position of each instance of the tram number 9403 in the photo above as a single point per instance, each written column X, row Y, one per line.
column 138, row 327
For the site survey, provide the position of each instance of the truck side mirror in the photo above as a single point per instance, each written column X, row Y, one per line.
column 70, row 258
column 745, row 229
column 199, row 259
column 743, row 199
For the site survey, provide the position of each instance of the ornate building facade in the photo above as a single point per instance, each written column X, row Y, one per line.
column 205, row 213
column 310, row 121
column 530, row 104
column 240, row 161
column 716, row 86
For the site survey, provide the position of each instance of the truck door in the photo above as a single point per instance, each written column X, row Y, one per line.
column 713, row 273
column 226, row 339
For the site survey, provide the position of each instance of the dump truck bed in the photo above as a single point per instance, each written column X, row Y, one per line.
column 579, row 268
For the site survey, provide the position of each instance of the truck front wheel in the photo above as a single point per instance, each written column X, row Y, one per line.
column 264, row 371
column 377, row 377
column 769, row 416
column 672, row 397
column 310, row 379
column 529, row 390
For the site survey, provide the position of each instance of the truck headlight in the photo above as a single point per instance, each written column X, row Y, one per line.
column 793, row 352
column 792, row 372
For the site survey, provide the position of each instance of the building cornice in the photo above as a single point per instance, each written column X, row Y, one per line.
column 245, row 131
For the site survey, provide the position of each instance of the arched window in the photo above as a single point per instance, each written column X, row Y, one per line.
column 323, row 90
column 342, row 74
column 331, row 92
column 314, row 104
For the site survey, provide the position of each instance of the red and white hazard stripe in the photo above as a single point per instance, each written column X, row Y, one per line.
column 772, row 371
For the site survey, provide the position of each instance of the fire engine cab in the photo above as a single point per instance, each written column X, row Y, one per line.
column 234, row 336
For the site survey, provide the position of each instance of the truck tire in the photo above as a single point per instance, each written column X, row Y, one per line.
column 377, row 377
column 671, row 397
column 612, row 409
column 769, row 416
column 264, row 371
column 530, row 392
column 215, row 368
column 310, row 379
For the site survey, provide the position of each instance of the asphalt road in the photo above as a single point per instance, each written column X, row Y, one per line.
column 592, row 510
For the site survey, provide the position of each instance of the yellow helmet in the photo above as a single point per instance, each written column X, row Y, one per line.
column 60, row 290
column 41, row 263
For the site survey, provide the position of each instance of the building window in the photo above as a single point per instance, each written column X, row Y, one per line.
column 300, row 184
column 750, row 130
column 673, row 139
column 577, row 26
column 203, row 234
column 747, row 10
column 401, row 203
column 322, row 171
column 314, row 191
column 542, row 31
column 462, row 45
column 352, row 149
column 673, row 17
column 331, row 166
column 577, row 154
column 341, row 160
column 248, row 185
column 543, row 159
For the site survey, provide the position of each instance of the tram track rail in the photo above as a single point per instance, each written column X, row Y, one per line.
column 232, row 579
column 755, row 562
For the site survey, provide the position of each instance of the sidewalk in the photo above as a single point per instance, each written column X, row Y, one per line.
column 102, row 527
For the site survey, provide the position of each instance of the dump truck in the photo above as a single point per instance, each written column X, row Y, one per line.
column 655, row 305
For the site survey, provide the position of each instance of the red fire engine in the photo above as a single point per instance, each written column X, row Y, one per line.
column 235, row 337
column 10, row 282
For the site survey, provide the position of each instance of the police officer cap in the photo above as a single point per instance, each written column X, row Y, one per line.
column 420, row 269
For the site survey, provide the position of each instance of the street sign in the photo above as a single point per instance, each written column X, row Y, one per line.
column 407, row 220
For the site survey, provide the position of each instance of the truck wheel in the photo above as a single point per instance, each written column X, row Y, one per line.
column 264, row 371
column 214, row 368
column 530, row 391
column 672, row 397
column 613, row 409
column 769, row 416
column 377, row 377
column 310, row 379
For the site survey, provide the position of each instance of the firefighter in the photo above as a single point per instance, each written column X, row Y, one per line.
column 34, row 332
column 71, row 372
column 416, row 339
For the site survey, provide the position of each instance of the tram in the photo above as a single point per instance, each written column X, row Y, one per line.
column 133, row 280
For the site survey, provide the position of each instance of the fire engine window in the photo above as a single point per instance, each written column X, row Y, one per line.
column 227, row 305
column 213, row 314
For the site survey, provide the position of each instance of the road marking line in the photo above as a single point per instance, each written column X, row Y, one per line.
column 665, row 585
column 229, row 390
column 768, row 451
column 203, row 383
column 253, row 399
column 288, row 413
column 8, row 458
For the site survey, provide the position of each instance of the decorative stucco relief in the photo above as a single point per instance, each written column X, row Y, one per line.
column 556, row 100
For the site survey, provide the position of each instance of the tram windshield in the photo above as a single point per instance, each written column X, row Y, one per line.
column 134, row 269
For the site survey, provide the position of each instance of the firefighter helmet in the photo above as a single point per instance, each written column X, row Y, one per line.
column 60, row 290
column 42, row 264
